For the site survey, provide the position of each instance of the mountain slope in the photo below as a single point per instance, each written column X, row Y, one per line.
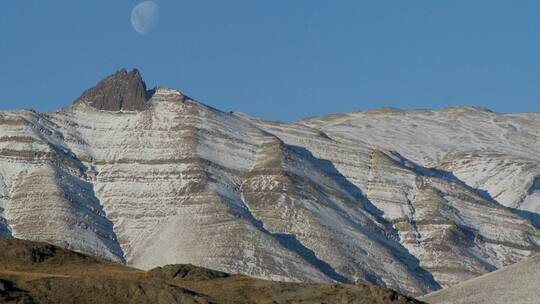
column 455, row 230
column 152, row 178
column 493, row 152
column 516, row 283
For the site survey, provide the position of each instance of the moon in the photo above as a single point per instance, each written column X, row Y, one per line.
column 145, row 17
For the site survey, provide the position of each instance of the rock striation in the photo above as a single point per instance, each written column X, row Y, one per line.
column 411, row 200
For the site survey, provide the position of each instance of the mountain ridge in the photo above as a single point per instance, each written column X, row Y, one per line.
column 355, row 197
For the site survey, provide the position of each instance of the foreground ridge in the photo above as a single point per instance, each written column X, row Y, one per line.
column 32, row 272
column 411, row 200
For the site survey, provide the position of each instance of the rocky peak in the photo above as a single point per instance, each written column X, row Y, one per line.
column 122, row 90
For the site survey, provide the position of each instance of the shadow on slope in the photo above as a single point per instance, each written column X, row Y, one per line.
column 534, row 218
column 354, row 199
column 387, row 240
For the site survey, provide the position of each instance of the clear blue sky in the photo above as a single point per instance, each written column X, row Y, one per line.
column 280, row 59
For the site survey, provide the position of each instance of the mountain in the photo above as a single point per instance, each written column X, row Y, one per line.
column 33, row 272
column 412, row 200
column 517, row 283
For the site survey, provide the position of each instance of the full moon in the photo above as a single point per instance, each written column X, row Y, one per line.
column 145, row 17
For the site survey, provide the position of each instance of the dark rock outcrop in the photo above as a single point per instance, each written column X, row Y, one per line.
column 9, row 293
column 187, row 272
column 121, row 91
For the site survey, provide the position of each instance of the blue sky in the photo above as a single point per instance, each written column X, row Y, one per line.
column 280, row 59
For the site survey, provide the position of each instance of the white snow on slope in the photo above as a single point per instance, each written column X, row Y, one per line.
column 493, row 152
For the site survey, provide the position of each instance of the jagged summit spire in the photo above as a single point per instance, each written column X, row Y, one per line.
column 122, row 90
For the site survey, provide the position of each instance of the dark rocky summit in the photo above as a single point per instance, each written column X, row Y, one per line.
column 121, row 91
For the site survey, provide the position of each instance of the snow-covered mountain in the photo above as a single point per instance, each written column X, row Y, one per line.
column 413, row 200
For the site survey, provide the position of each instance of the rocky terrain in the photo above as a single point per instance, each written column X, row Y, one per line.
column 40, row 273
column 517, row 284
column 411, row 200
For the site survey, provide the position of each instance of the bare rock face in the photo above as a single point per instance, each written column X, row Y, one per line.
column 121, row 91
